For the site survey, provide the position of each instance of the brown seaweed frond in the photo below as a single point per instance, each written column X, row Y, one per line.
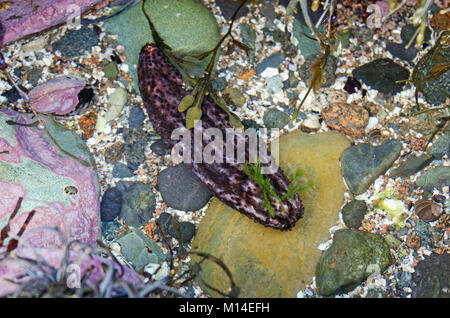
column 192, row 103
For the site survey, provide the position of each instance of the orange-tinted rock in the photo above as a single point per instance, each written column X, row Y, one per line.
column 350, row 119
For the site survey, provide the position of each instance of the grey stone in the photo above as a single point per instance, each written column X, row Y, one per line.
column 398, row 50
column 329, row 74
column 274, row 118
column 292, row 81
column 136, row 117
column 404, row 278
column 375, row 293
column 181, row 189
column 109, row 229
column 353, row 213
column 306, row 45
column 248, row 36
column 139, row 249
column 271, row 61
column 268, row 10
column 250, row 123
column 111, row 71
column 136, row 141
column 274, row 84
column 424, row 231
column 435, row 178
column 382, row 75
column 121, row 171
column 408, row 31
column 34, row 75
column 411, row 166
column 186, row 230
column 138, row 202
column 436, row 91
column 343, row 37
column 76, row 42
column 440, row 147
column 12, row 95
column 432, row 277
column 352, row 257
column 219, row 83
column 160, row 148
column 111, row 204
column 363, row 163
column 228, row 7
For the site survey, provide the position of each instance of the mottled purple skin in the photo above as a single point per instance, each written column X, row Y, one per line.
column 161, row 88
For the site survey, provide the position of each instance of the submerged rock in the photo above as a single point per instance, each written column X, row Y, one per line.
column 435, row 91
column 363, row 163
column 228, row 7
column 432, row 277
column 412, row 165
column 271, row 61
column 382, row 75
column 266, row 262
column 353, row 213
column 140, row 250
column 181, row 189
column 179, row 23
column 76, row 42
column 134, row 202
column 350, row 119
column 440, row 147
column 26, row 17
column 435, row 178
column 185, row 231
column 352, row 257
column 274, row 118
column 33, row 168
column 329, row 73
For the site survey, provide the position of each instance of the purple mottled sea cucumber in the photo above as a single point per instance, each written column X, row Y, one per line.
column 161, row 87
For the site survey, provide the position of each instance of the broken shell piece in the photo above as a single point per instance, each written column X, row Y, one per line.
column 427, row 210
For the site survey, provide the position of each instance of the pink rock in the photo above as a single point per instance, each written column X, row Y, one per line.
column 76, row 216
column 30, row 167
column 58, row 95
column 28, row 17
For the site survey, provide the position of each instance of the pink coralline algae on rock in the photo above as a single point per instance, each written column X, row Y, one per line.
column 57, row 96
column 33, row 168
column 27, row 17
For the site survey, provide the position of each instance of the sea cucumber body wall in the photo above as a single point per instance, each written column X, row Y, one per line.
column 161, row 87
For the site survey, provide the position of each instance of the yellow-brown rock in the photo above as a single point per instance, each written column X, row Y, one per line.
column 266, row 262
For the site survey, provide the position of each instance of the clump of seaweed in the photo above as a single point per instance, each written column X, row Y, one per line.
column 192, row 103
column 326, row 41
column 297, row 184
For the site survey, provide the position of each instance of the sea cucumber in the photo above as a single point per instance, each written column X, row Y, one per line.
column 161, row 87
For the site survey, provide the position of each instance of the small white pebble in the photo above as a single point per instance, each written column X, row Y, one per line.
column 373, row 121
column 269, row 72
column 124, row 67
